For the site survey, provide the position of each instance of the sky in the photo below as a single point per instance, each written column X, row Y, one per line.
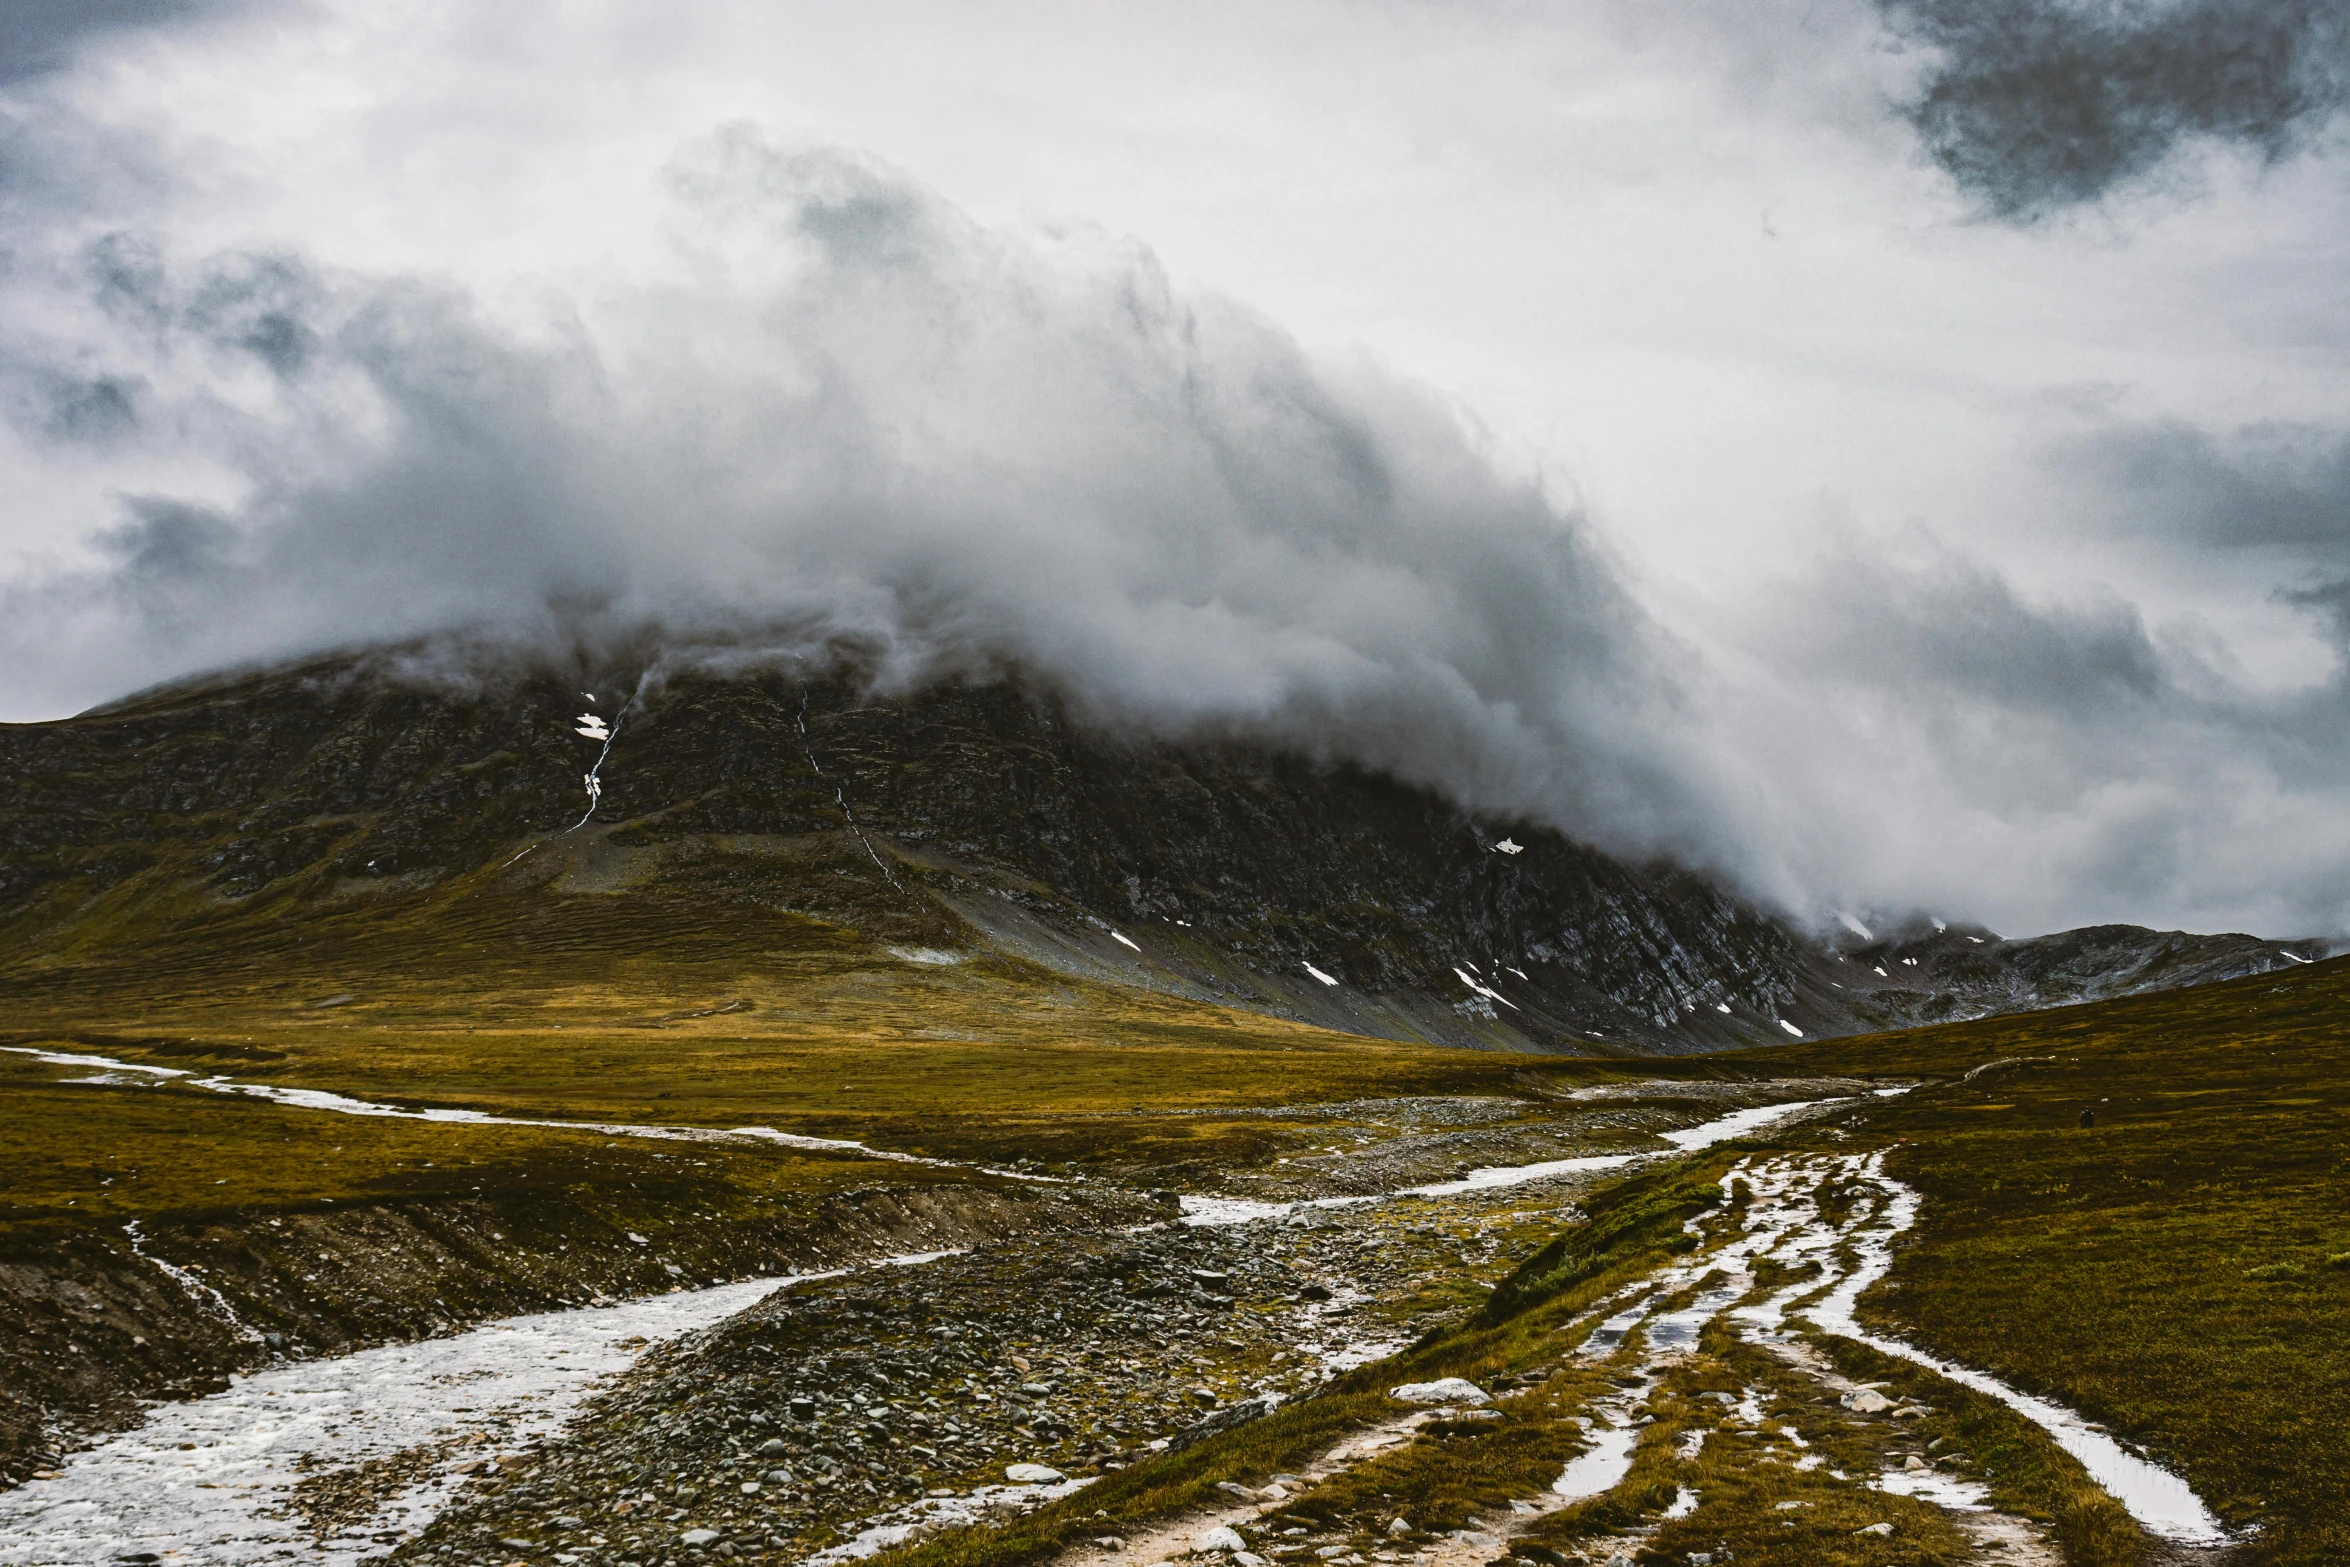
column 1891, row 453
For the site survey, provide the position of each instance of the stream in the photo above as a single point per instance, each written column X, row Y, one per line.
column 250, row 1474
column 335, row 1461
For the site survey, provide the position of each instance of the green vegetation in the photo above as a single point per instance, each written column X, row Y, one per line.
column 697, row 1012
column 2169, row 1271
column 2163, row 1271
column 2178, row 1270
column 78, row 1156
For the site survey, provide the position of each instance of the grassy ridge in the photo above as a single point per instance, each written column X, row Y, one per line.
column 2169, row 1271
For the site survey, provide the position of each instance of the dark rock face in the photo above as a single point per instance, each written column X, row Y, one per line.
column 1226, row 872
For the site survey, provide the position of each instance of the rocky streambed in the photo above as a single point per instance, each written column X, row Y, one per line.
column 831, row 1415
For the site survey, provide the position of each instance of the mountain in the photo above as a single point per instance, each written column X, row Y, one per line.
column 929, row 828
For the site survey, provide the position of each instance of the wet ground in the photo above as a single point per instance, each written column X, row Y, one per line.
column 837, row 1416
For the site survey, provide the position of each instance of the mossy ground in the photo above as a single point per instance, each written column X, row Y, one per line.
column 2165, row 1271
column 681, row 1012
column 2168, row 1271
column 79, row 1156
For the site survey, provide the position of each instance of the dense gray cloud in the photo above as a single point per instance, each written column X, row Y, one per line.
column 2038, row 105
column 876, row 425
column 2273, row 486
column 37, row 36
column 1984, row 738
column 378, row 324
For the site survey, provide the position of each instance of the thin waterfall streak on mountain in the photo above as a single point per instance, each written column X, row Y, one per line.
column 593, row 778
column 595, row 784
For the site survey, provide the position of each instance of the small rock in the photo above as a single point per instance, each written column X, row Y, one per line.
column 773, row 1447
column 1033, row 1474
column 1867, row 1401
column 1915, row 1463
column 690, row 1537
column 1398, row 1528
column 1204, row 1396
column 1445, row 1390
column 1249, row 1559
column 1223, row 1539
column 1875, row 1528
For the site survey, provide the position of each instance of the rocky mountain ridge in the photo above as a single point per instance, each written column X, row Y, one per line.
column 964, row 818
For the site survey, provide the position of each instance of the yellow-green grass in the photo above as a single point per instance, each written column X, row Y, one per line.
column 2168, row 1271
column 79, row 1156
column 668, row 1008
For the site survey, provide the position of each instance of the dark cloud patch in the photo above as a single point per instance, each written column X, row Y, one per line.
column 260, row 305
column 1954, row 627
column 2034, row 106
column 166, row 541
column 2331, row 600
column 2264, row 486
column 42, row 35
column 99, row 411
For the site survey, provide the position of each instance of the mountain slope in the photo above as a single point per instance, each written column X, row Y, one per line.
column 952, row 821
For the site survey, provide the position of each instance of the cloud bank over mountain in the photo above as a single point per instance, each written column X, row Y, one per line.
column 757, row 394
column 868, row 424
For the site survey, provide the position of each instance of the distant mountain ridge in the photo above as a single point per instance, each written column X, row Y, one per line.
column 970, row 817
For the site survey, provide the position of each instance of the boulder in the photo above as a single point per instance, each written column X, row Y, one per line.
column 1445, row 1390
column 1033, row 1474
column 1222, row 1540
